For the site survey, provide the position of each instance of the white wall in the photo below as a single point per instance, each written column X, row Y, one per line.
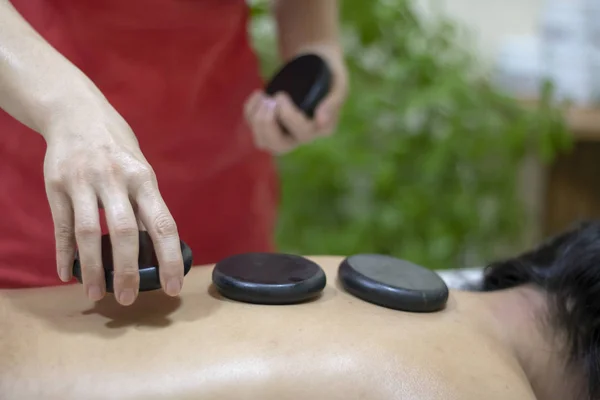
column 491, row 20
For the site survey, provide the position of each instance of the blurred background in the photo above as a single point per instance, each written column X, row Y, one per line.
column 471, row 131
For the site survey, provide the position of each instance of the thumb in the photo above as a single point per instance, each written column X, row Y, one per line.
column 327, row 112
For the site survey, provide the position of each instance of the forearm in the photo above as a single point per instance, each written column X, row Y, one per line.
column 306, row 23
column 36, row 82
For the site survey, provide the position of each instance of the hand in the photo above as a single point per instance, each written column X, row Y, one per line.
column 263, row 112
column 93, row 159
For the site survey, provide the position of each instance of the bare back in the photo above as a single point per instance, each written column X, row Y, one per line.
column 57, row 345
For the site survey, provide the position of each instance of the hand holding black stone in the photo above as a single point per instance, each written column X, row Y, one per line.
column 147, row 261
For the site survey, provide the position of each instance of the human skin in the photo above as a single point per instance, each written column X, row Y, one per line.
column 57, row 345
column 303, row 26
column 93, row 156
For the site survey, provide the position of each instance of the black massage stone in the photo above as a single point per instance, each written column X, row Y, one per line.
column 147, row 261
column 306, row 79
column 393, row 283
column 268, row 278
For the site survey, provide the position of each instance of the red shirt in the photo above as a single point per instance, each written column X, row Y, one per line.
column 179, row 71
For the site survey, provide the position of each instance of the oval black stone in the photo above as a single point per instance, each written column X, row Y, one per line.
column 147, row 262
column 268, row 278
column 393, row 283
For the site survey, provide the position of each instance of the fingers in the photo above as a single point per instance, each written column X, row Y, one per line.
column 74, row 204
column 62, row 216
column 124, row 236
column 327, row 113
column 266, row 126
column 299, row 126
column 88, row 237
column 161, row 227
column 326, row 117
column 266, row 117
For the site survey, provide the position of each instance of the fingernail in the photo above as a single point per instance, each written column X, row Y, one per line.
column 64, row 274
column 126, row 297
column 270, row 103
column 94, row 292
column 173, row 287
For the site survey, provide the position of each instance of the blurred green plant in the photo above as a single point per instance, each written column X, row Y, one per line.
column 425, row 161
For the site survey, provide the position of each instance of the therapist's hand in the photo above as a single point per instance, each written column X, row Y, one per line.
column 93, row 159
column 263, row 112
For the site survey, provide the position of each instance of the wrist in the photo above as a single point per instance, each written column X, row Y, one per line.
column 74, row 104
column 326, row 49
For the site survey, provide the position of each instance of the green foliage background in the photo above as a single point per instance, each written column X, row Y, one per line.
column 424, row 163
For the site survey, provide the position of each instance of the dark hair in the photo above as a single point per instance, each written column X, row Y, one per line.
column 567, row 268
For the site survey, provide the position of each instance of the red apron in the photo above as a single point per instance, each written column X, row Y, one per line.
column 179, row 72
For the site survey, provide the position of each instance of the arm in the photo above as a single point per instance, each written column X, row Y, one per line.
column 36, row 81
column 92, row 158
column 303, row 26
column 306, row 23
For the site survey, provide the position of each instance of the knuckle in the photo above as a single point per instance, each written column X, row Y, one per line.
column 110, row 170
column 92, row 270
column 147, row 188
column 87, row 229
column 165, row 226
column 148, row 174
column 93, row 170
column 142, row 174
column 125, row 228
column 127, row 275
column 64, row 253
column 127, row 270
column 63, row 232
column 55, row 182
column 81, row 175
